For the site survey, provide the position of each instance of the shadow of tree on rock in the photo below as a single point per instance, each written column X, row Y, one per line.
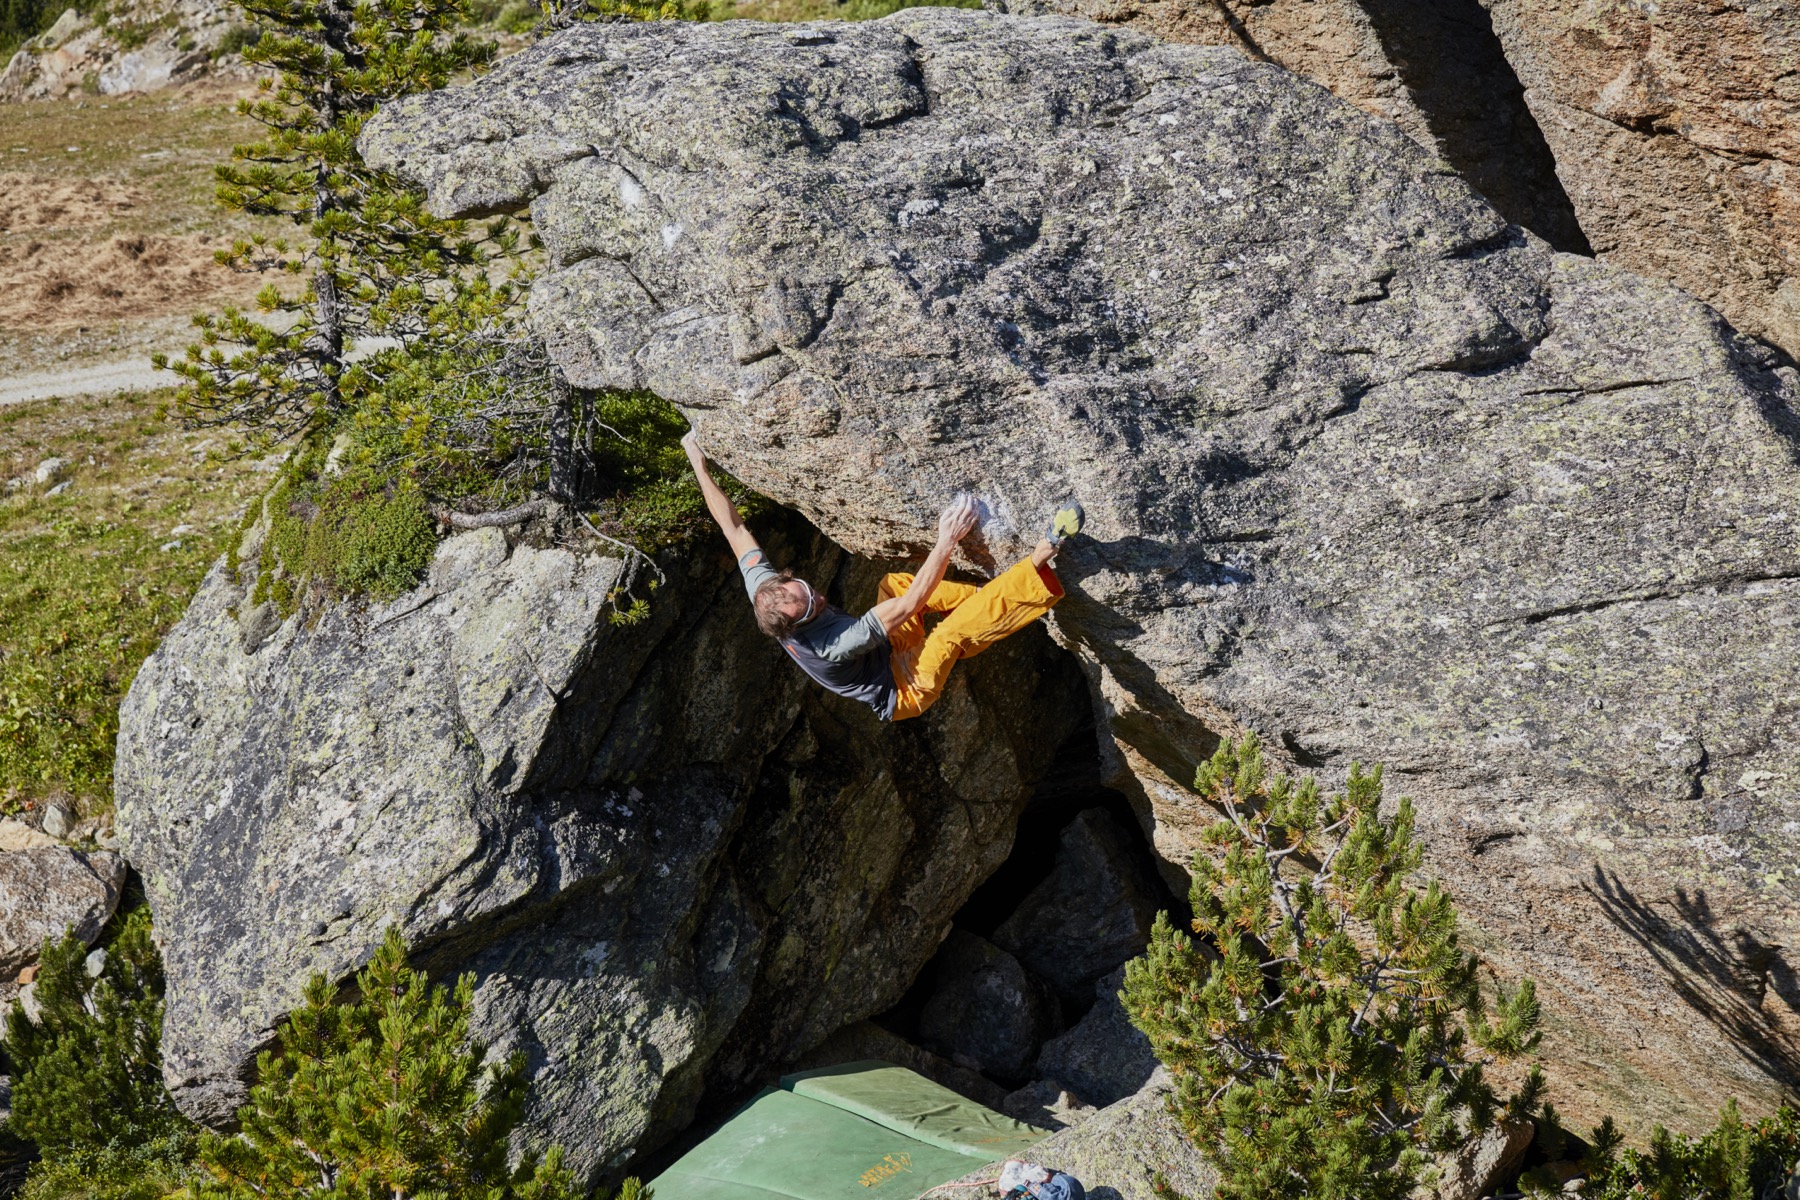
column 1726, row 974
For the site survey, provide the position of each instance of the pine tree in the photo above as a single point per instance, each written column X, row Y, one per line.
column 372, row 262
column 384, row 1097
column 1324, row 1036
column 399, row 351
column 90, row 1066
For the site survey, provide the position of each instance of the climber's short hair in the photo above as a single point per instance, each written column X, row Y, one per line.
column 769, row 617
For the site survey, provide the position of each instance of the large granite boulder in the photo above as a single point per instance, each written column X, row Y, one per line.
column 669, row 860
column 1369, row 471
column 1434, row 67
column 1665, row 137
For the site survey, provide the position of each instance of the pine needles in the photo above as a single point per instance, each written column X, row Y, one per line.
column 1325, row 1031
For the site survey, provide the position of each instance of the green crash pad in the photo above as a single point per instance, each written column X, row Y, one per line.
column 784, row 1145
column 909, row 1103
column 863, row 1129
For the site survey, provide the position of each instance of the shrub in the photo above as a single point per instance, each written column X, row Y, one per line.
column 518, row 17
column 112, row 1172
column 354, row 533
column 90, row 1066
column 1736, row 1161
column 21, row 19
column 384, row 1096
column 1325, row 1049
column 236, row 40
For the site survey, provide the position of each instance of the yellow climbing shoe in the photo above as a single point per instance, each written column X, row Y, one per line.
column 1066, row 523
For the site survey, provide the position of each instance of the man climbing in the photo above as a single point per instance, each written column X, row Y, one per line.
column 886, row 658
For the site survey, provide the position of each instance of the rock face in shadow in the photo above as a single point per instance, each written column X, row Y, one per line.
column 1105, row 1058
column 987, row 1013
column 1676, row 130
column 1368, row 471
column 1090, row 913
column 669, row 860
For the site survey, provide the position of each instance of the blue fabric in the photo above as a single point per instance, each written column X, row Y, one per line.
column 845, row 655
column 1058, row 1187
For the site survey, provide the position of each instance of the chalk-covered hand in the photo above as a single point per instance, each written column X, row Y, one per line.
column 1015, row 1175
column 957, row 519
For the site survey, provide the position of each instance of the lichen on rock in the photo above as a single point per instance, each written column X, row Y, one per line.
column 1369, row 471
column 669, row 861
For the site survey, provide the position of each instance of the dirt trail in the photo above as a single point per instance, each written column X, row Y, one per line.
column 101, row 379
column 134, row 374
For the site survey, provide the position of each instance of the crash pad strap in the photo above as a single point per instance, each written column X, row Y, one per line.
column 908, row 1103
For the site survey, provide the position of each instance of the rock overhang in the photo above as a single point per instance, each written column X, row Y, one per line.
column 668, row 864
column 898, row 217
column 1370, row 472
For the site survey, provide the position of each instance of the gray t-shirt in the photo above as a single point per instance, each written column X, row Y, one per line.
column 843, row 654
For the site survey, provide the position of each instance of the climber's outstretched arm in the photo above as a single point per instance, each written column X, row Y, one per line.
column 717, row 502
column 953, row 525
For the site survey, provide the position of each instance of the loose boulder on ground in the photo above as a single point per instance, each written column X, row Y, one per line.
column 1091, row 911
column 1368, row 470
column 671, row 861
column 986, row 1012
column 1104, row 1058
column 51, row 891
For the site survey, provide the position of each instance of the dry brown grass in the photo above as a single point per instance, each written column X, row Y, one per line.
column 72, row 281
column 29, row 202
column 107, row 226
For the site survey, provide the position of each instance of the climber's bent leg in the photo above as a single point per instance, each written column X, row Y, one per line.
column 944, row 597
column 906, row 639
column 1005, row 605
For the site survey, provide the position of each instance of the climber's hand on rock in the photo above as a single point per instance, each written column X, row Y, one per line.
column 690, row 441
column 957, row 519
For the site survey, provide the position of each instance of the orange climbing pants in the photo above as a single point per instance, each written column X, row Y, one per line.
column 975, row 618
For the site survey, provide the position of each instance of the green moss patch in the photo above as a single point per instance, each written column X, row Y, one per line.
column 355, row 533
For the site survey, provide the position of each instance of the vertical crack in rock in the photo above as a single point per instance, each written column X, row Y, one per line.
column 1447, row 55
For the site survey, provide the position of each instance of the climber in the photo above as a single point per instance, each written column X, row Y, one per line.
column 886, row 658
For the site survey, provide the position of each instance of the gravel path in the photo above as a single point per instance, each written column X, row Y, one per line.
column 101, row 379
column 120, row 375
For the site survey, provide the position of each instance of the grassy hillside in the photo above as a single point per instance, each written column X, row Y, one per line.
column 91, row 578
